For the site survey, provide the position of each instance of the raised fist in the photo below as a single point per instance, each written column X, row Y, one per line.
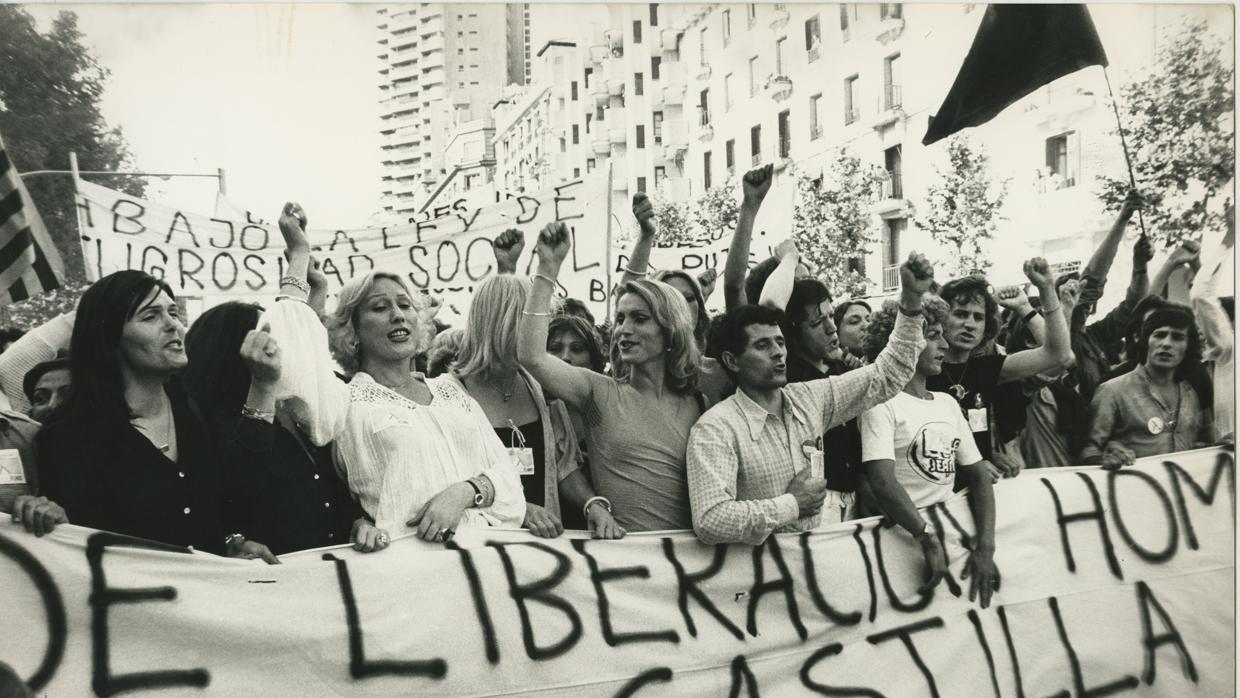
column 643, row 211
column 553, row 244
column 261, row 354
column 787, row 248
column 916, row 275
column 1069, row 295
column 756, row 183
column 1142, row 252
column 508, row 246
column 1012, row 297
column 1039, row 273
column 707, row 281
column 1187, row 253
column 1132, row 203
column 293, row 226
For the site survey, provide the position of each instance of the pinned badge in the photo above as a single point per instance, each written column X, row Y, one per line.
column 1155, row 425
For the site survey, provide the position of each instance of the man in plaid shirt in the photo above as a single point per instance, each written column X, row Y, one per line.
column 755, row 463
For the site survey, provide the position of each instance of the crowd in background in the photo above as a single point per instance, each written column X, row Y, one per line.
column 266, row 430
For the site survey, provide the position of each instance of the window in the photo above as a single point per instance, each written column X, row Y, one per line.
column 891, row 82
column 813, row 38
column 590, row 164
column 563, row 145
column 598, row 113
column 848, row 17
column 729, row 155
column 706, row 170
column 755, row 144
column 641, row 184
column 641, row 136
column 576, row 172
column 637, row 31
column 704, row 107
column 660, row 174
column 892, row 162
column 779, row 55
column 638, row 85
column 655, row 64
column 657, row 127
column 727, row 92
column 702, row 55
column 727, row 27
column 851, row 113
column 753, row 76
column 654, row 15
column 785, row 135
column 589, row 119
column 589, row 73
column 576, row 134
column 1062, row 154
column 893, row 229
column 751, row 14
column 815, row 123
column 572, row 89
column 890, row 11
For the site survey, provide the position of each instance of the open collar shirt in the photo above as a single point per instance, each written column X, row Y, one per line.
column 741, row 457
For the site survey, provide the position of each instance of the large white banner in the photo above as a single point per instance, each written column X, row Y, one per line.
column 447, row 253
column 1111, row 583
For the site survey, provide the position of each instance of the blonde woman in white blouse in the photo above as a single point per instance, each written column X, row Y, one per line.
column 414, row 452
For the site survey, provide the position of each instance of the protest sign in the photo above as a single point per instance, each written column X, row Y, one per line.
column 1111, row 582
column 447, row 252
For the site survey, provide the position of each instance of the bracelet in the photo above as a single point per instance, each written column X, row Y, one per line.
column 255, row 413
column 606, row 505
column 546, row 278
column 296, row 282
column 633, row 271
column 1052, row 310
column 1029, row 315
column 910, row 313
column 287, row 297
column 534, row 314
column 228, row 539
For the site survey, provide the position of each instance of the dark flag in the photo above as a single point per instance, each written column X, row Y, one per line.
column 1018, row 48
column 29, row 262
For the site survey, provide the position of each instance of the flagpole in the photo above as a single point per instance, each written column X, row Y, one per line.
column 609, row 258
column 1132, row 180
column 77, row 214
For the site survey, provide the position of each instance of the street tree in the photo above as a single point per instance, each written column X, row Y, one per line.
column 833, row 224
column 674, row 219
column 1179, row 121
column 718, row 209
column 50, row 90
column 963, row 206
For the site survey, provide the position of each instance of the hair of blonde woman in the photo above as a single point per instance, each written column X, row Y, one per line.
column 671, row 313
column 441, row 357
column 489, row 348
column 341, row 323
column 701, row 324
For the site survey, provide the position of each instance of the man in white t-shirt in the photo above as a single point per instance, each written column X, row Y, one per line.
column 911, row 448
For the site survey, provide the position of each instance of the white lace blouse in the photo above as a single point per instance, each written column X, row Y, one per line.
column 394, row 453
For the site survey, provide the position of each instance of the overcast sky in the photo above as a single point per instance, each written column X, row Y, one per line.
column 284, row 97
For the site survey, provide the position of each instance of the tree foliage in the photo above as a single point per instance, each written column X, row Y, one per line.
column 963, row 206
column 832, row 222
column 718, row 209
column 674, row 219
column 50, row 88
column 1179, row 121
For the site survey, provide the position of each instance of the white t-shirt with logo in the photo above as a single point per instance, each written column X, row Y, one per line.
column 925, row 438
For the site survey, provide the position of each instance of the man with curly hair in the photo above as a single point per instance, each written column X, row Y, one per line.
column 912, row 447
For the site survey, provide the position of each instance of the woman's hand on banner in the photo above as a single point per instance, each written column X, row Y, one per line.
column 252, row 550
column 437, row 520
column 983, row 574
column 1116, row 456
column 936, row 562
column 367, row 537
column 38, row 514
column 603, row 525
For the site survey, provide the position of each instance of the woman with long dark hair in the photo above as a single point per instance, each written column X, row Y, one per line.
column 133, row 453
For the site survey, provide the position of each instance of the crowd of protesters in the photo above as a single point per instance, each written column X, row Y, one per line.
column 266, row 430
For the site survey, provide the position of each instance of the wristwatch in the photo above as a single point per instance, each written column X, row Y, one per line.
column 478, row 498
column 228, row 539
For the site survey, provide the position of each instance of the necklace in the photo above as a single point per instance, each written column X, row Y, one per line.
column 956, row 388
column 512, row 386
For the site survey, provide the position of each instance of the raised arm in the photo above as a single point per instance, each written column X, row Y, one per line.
column 41, row 344
column 756, row 183
column 1056, row 352
column 639, row 258
column 569, row 383
column 1016, row 300
column 778, row 287
column 1099, row 264
column 508, row 246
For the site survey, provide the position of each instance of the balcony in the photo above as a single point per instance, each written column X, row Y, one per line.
column 703, row 73
column 779, row 87
column 619, row 176
column 891, row 25
column 431, row 45
column 888, row 107
column 889, row 198
column 601, row 144
column 755, row 160
column 779, row 17
column 675, row 138
column 673, row 78
column 851, row 116
column 891, row 277
column 599, row 90
column 614, row 39
column 617, row 135
column 706, row 132
column 599, row 53
column 669, row 39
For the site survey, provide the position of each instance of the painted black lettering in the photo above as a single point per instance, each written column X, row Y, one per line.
column 1173, row 532
column 480, row 602
column 359, row 666
column 762, row 587
column 598, row 294
column 1095, row 514
column 1124, row 683
column 941, row 532
column 923, row 598
column 440, row 266
column 815, row 591
column 131, row 211
column 247, row 243
column 687, row 585
column 179, row 218
column 577, row 266
column 386, row 245
column 660, row 675
column 231, row 235
column 328, row 267
column 1011, row 647
column 823, row 689
column 419, row 227
column 540, row 591
column 468, row 220
column 419, row 277
column 340, row 236
column 1146, row 600
column 469, row 258
column 354, row 260
column 869, row 572
column 53, row 608
column 905, row 633
column 83, row 209
column 990, row 658
column 1225, row 465
column 248, row 262
column 601, row 576
column 742, row 676
column 184, row 259
column 158, row 272
column 224, row 271
column 102, row 596
column 561, row 198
